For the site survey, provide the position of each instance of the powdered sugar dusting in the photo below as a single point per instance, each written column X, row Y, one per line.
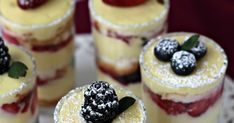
column 183, row 59
column 68, row 108
column 207, row 71
column 167, row 45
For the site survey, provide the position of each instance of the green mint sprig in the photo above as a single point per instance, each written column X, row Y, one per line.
column 17, row 69
column 191, row 42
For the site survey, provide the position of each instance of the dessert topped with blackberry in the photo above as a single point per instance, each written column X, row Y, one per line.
column 15, row 67
column 102, row 103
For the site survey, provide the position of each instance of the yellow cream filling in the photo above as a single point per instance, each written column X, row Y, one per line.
column 50, row 11
column 140, row 14
column 7, row 83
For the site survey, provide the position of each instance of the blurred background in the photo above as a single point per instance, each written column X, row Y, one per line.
column 213, row 18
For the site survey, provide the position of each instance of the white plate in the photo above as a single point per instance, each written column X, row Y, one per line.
column 86, row 73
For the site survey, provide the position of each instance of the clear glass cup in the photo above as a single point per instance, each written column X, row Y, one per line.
column 196, row 98
column 50, row 42
column 68, row 108
column 119, row 35
column 18, row 98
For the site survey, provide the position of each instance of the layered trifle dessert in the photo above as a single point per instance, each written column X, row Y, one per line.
column 182, row 76
column 18, row 90
column 100, row 103
column 120, row 29
column 45, row 28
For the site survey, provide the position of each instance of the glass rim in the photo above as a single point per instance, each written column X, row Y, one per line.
column 39, row 26
column 119, row 26
column 78, row 89
column 29, row 81
column 149, row 75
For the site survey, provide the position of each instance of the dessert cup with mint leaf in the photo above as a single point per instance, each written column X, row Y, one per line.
column 100, row 102
column 18, row 90
column 45, row 28
column 183, row 78
column 120, row 29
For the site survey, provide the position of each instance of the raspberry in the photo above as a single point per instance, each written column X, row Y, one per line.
column 30, row 4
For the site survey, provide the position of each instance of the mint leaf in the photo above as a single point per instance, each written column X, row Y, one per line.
column 190, row 43
column 125, row 103
column 17, row 69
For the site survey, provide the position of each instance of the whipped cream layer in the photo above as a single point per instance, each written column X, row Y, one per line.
column 55, row 89
column 68, row 108
column 209, row 73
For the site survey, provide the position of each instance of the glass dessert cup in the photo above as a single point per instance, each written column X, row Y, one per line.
column 68, row 108
column 18, row 97
column 119, row 35
column 196, row 98
column 49, row 38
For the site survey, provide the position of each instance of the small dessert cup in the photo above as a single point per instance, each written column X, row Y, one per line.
column 18, row 97
column 70, row 106
column 173, row 98
column 47, row 32
column 119, row 35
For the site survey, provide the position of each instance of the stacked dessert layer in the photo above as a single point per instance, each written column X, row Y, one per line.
column 120, row 33
column 18, row 97
column 47, row 33
column 195, row 98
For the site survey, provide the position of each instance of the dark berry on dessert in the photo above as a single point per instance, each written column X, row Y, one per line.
column 166, row 48
column 134, row 77
column 124, row 3
column 30, row 4
column 100, row 103
column 161, row 2
column 5, row 58
column 183, row 63
column 145, row 41
column 199, row 50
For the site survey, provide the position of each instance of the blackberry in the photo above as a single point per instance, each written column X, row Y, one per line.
column 100, row 103
column 5, row 58
column 199, row 50
column 183, row 63
column 166, row 48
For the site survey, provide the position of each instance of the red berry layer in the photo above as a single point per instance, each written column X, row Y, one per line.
column 126, row 39
column 25, row 103
column 194, row 109
column 124, row 3
column 43, row 48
